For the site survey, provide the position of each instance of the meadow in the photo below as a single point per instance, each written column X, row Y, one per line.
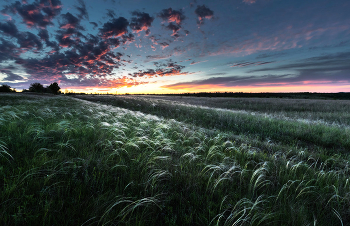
column 138, row 160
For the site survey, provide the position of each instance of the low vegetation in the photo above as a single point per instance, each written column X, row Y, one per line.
column 66, row 161
column 35, row 88
column 6, row 89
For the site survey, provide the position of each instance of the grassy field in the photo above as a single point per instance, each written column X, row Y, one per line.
column 129, row 160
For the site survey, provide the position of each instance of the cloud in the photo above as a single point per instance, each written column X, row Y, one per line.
column 110, row 13
column 329, row 62
column 83, row 13
column 70, row 55
column 140, row 21
column 156, row 57
column 44, row 35
column 169, row 68
column 9, row 28
column 10, row 76
column 327, row 69
column 38, row 14
column 114, row 28
column 245, row 64
column 249, row 1
column 171, row 15
column 193, row 62
column 70, row 21
column 94, row 24
column 230, row 81
column 219, row 73
column 26, row 40
column 29, row 41
column 164, row 45
column 174, row 18
column 8, row 50
column 269, row 55
column 203, row 12
column 103, row 83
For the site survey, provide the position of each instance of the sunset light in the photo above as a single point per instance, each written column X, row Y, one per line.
column 175, row 47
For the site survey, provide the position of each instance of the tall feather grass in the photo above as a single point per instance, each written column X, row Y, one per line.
column 86, row 163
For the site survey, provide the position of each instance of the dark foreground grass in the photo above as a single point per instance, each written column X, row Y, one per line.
column 71, row 162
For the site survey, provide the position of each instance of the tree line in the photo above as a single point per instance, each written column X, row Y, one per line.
column 34, row 87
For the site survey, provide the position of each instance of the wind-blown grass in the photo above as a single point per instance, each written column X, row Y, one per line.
column 75, row 162
column 316, row 134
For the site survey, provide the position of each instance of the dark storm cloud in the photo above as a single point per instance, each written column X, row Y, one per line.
column 39, row 13
column 115, row 28
column 83, row 13
column 203, row 12
column 140, row 21
column 9, row 28
column 10, row 76
column 174, row 18
column 94, row 24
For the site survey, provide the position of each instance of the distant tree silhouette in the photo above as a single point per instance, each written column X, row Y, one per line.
column 54, row 88
column 6, row 88
column 36, row 87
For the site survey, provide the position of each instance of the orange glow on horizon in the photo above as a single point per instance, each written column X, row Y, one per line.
column 147, row 89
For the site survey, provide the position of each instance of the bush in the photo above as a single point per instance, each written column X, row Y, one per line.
column 54, row 88
column 36, row 87
column 6, row 88
column 39, row 88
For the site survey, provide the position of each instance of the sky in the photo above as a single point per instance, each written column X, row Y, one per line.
column 154, row 46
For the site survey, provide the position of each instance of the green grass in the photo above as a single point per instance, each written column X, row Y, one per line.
column 66, row 161
column 327, row 111
column 313, row 134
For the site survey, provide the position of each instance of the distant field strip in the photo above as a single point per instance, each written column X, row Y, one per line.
column 66, row 161
column 310, row 119
column 329, row 111
column 291, row 131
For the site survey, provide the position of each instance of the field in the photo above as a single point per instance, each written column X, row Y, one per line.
column 152, row 160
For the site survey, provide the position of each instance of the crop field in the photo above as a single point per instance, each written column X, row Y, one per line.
column 140, row 160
